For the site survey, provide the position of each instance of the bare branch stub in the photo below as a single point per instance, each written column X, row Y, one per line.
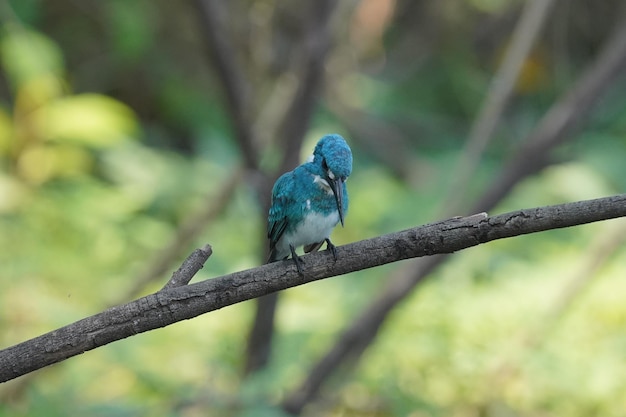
column 189, row 268
column 237, row 91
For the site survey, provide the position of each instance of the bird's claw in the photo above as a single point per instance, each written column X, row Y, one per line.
column 297, row 260
column 330, row 247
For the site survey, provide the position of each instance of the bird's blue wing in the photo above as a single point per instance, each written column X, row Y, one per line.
column 282, row 200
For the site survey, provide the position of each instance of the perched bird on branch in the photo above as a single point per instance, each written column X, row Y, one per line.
column 308, row 202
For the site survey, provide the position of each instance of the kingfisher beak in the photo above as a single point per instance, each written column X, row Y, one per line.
column 336, row 185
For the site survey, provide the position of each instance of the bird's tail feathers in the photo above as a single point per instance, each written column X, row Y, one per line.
column 273, row 256
column 313, row 247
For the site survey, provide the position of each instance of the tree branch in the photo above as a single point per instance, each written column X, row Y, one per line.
column 180, row 303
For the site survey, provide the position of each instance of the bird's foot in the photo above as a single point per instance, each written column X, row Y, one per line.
column 330, row 247
column 296, row 259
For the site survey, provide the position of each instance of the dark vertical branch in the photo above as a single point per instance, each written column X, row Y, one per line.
column 261, row 334
column 238, row 98
column 316, row 45
column 292, row 130
column 236, row 89
column 558, row 125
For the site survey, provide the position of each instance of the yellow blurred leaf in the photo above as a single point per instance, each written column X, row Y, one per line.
column 26, row 54
column 36, row 164
column 35, row 93
column 88, row 119
column 40, row 163
column 533, row 74
column 72, row 160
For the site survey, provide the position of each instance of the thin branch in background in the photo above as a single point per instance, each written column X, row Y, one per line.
column 559, row 124
column 315, row 48
column 500, row 90
column 169, row 306
column 185, row 235
column 562, row 120
column 239, row 97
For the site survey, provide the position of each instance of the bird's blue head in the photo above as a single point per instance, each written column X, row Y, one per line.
column 333, row 157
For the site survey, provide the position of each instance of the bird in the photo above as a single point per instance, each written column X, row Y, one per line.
column 308, row 202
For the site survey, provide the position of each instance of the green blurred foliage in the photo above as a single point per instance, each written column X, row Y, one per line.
column 110, row 139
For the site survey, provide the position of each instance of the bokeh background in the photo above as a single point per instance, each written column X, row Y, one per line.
column 133, row 131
